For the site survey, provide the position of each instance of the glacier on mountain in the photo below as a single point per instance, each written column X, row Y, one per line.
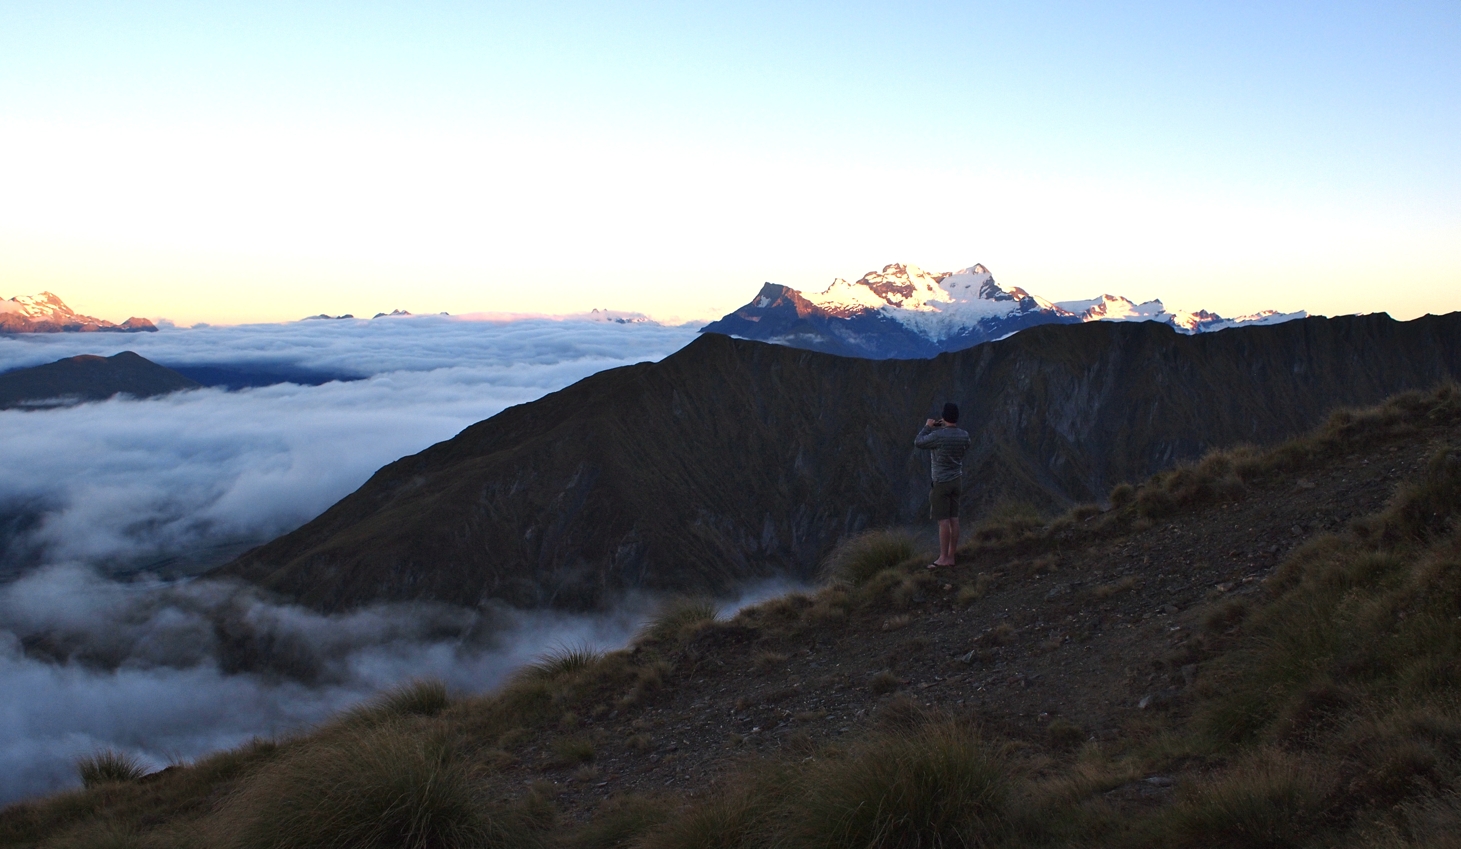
column 905, row 311
column 46, row 313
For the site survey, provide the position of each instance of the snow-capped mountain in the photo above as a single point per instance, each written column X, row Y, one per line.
column 46, row 313
column 906, row 312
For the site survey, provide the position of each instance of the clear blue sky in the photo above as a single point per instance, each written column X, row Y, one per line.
column 230, row 162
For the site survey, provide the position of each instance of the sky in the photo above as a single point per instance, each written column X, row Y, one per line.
column 237, row 162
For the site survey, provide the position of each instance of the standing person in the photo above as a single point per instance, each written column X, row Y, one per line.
column 948, row 442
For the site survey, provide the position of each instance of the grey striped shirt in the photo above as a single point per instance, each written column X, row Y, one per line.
column 948, row 444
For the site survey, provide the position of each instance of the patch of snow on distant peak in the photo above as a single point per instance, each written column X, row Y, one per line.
column 1257, row 318
column 1115, row 308
column 614, row 317
column 42, row 306
column 937, row 306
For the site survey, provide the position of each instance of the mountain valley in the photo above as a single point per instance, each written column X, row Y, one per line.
column 733, row 460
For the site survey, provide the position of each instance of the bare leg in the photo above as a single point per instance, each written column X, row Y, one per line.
column 948, row 540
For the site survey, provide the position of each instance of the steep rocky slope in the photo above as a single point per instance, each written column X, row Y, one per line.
column 734, row 459
column 88, row 378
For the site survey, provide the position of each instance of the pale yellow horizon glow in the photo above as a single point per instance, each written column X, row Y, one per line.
column 239, row 224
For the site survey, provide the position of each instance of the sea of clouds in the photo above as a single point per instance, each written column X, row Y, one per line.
column 105, row 643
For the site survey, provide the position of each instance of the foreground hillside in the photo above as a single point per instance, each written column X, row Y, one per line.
column 1256, row 650
column 731, row 460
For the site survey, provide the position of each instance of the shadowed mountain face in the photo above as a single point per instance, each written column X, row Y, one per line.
column 88, row 378
column 734, row 459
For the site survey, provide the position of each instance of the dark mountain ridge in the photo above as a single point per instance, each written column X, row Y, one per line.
column 88, row 378
column 733, row 459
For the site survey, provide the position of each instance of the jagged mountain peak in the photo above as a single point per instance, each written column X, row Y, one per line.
column 904, row 311
column 45, row 312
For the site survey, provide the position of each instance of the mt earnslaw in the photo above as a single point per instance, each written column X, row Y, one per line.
column 46, row 313
column 733, row 459
column 905, row 312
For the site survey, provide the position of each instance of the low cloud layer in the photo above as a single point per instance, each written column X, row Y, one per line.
column 123, row 484
column 169, row 672
column 365, row 347
column 98, row 499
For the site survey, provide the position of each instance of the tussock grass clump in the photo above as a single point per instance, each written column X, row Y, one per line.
column 1009, row 521
column 427, row 697
column 970, row 593
column 619, row 823
column 108, row 766
column 385, row 786
column 563, row 661
column 939, row 786
column 679, row 619
column 857, row 559
column 883, row 682
column 573, row 750
column 100, row 835
column 742, row 816
column 1269, row 799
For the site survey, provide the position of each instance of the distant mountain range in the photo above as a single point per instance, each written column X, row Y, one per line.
column 733, row 459
column 905, row 312
column 88, row 378
column 46, row 313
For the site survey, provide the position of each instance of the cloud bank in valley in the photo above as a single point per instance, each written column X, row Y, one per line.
column 94, row 653
column 124, row 483
column 170, row 671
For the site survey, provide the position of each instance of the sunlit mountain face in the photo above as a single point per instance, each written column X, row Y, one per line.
column 903, row 311
column 47, row 313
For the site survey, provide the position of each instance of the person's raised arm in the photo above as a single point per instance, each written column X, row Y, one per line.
column 925, row 439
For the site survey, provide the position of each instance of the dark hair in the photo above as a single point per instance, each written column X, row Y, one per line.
column 951, row 412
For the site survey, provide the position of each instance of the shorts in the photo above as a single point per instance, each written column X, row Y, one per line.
column 943, row 501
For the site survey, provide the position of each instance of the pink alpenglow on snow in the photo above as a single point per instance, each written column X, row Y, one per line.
column 46, row 313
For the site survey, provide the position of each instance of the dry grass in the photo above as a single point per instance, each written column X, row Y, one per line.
column 766, row 660
column 940, row 786
column 108, row 766
column 1007, row 522
column 883, row 682
column 1226, row 474
column 857, row 559
column 387, row 786
column 564, row 661
column 1268, row 799
column 679, row 619
column 572, row 750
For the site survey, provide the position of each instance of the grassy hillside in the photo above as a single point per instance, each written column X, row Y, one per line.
column 1259, row 649
column 732, row 460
